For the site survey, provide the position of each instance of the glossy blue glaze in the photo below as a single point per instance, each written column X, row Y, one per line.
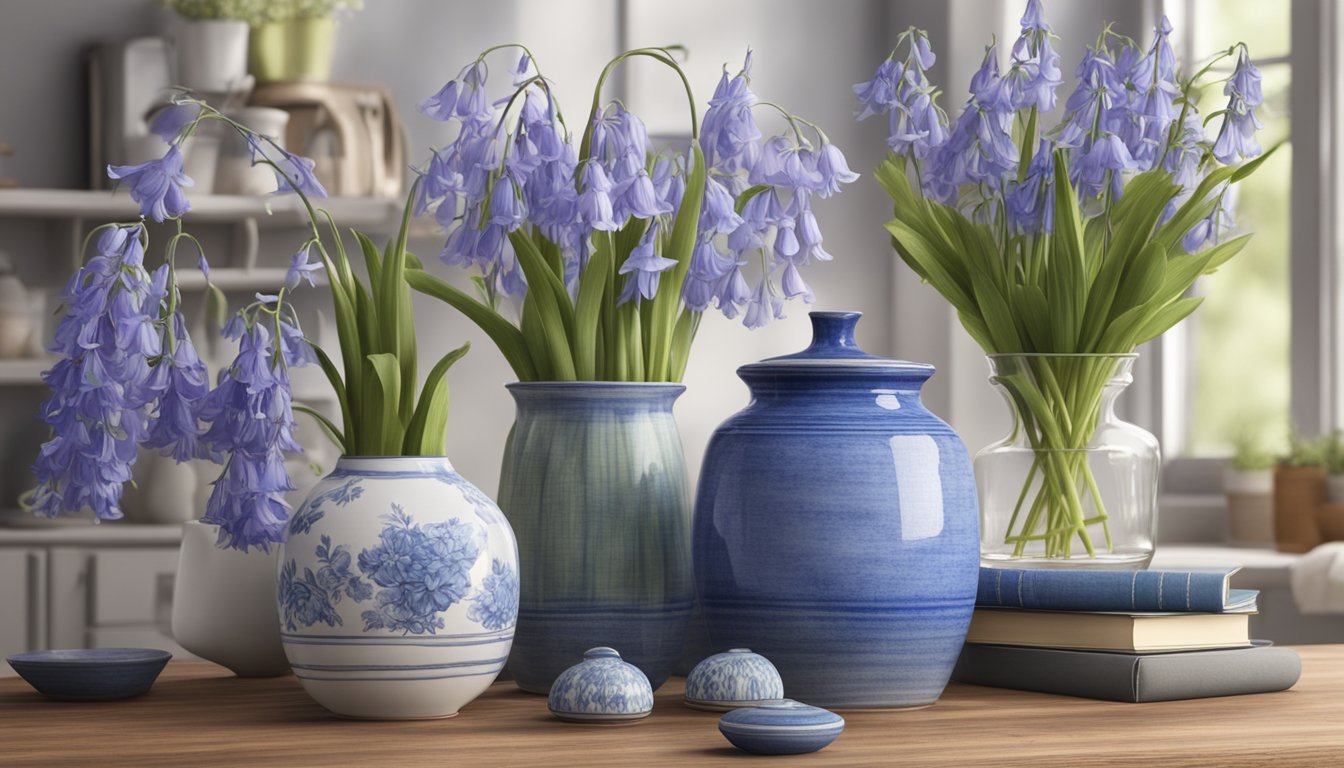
column 732, row 679
column 91, row 674
column 836, row 530
column 601, row 688
column 781, row 728
column 594, row 484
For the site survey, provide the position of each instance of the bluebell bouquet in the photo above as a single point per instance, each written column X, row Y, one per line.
column 1069, row 244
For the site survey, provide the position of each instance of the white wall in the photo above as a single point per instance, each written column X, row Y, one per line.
column 807, row 54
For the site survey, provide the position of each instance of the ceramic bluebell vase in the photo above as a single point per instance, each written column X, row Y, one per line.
column 836, row 530
column 594, row 484
column 398, row 589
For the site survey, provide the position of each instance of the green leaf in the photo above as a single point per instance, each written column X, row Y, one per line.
column 680, row 246
column 555, row 323
column 325, row 424
column 216, row 306
column 382, row 430
column 687, row 325
column 506, row 336
column 588, row 309
column 747, row 194
column 1066, row 278
column 428, row 428
column 333, row 375
column 373, row 261
column 1165, row 318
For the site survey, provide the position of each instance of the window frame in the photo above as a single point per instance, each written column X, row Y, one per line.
column 1315, row 132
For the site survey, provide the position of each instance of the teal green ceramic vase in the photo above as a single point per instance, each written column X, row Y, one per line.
column 594, row 485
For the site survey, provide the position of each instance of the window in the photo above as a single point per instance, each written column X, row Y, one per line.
column 1228, row 370
column 1262, row 354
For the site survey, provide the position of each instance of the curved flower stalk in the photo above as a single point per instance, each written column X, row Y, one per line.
column 129, row 377
column 609, row 247
column 1082, row 239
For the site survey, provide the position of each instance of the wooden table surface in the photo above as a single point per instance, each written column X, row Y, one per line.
column 199, row 715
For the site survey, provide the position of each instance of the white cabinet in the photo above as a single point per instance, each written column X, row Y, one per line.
column 97, row 587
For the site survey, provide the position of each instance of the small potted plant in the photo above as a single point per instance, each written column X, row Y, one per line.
column 1330, row 517
column 1248, row 481
column 1299, row 492
column 210, row 42
column 295, row 39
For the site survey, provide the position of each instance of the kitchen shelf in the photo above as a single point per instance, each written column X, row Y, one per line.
column 268, row 279
column 24, row 371
column 277, row 210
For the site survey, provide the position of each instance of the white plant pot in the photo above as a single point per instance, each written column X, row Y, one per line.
column 211, row 54
column 398, row 589
column 164, row 491
column 224, row 604
column 1250, row 506
column 16, row 319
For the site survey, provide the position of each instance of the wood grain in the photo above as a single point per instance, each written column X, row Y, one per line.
column 199, row 715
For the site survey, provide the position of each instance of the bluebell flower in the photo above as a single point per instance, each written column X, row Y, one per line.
column 170, row 122
column 175, row 429
column 809, row 235
column 1209, row 230
column 594, row 205
column 729, row 132
column 878, row 94
column 785, row 163
column 833, row 169
column 1236, row 138
column 102, row 386
column 669, row 181
column 1088, row 107
column 300, row 269
column 1033, row 74
column 718, row 213
column 1102, row 166
column 636, row 196
column 705, row 274
column 980, row 147
column 762, row 306
column 157, row 185
column 295, row 174
column 463, row 98
column 251, row 420
column 1030, row 203
column 507, row 209
column 645, row 267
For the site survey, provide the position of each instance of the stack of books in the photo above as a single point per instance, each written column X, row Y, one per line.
column 1133, row 636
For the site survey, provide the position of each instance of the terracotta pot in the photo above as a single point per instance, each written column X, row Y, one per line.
column 1331, row 520
column 1299, row 493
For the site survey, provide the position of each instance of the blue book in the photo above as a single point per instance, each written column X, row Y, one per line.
column 1114, row 591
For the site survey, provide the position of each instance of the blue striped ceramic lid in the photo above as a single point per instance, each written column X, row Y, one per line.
column 833, row 349
column 782, row 717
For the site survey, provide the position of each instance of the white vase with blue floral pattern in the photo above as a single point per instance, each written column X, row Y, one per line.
column 398, row 589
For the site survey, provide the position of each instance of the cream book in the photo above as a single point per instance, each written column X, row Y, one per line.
column 1145, row 633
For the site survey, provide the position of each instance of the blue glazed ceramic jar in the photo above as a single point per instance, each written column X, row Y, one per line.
column 835, row 529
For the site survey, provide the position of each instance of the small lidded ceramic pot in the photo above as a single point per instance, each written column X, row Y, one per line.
column 601, row 689
column 781, row 728
column 738, row 678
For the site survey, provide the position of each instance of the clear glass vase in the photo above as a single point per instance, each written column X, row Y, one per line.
column 1072, row 485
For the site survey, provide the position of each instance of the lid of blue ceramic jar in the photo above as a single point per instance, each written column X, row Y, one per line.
column 834, row 350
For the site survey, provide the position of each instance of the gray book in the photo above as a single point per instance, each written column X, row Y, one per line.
column 1131, row 677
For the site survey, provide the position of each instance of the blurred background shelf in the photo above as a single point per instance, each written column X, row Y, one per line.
column 279, row 210
column 23, row 371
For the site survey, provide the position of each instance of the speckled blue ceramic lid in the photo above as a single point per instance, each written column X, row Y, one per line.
column 834, row 350
column 602, row 687
column 785, row 727
column 736, row 678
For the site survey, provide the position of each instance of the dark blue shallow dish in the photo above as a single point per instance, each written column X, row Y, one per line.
column 91, row 674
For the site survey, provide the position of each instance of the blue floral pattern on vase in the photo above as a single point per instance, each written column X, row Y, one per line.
column 312, row 597
column 311, row 512
column 422, row 571
column 495, row 606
